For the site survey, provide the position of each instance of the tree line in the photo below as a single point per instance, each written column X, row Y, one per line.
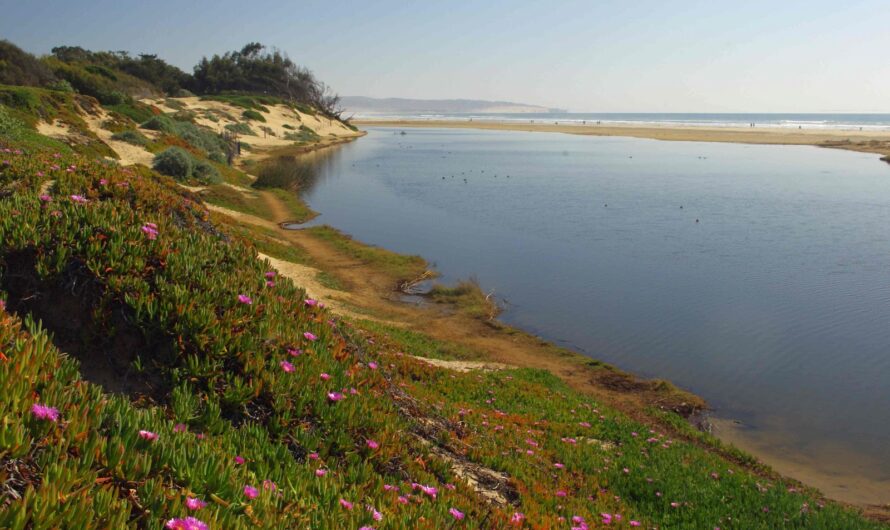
column 112, row 76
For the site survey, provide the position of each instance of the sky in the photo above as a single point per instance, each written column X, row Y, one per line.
column 586, row 56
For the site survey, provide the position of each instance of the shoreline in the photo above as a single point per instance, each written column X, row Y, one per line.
column 620, row 388
column 877, row 142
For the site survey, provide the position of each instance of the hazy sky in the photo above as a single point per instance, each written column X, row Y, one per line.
column 647, row 56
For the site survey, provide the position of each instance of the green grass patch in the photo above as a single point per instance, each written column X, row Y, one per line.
column 254, row 115
column 469, row 297
column 131, row 136
column 399, row 266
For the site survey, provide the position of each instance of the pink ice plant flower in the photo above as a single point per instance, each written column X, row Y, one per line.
column 250, row 492
column 635, row 523
column 187, row 523
column 346, row 504
column 270, row 283
column 150, row 230
column 402, row 499
column 324, row 376
column 294, row 352
column 320, row 472
column 44, row 412
column 372, row 365
column 457, row 514
column 244, row 299
column 269, row 275
column 79, row 199
column 310, row 336
column 286, row 366
column 148, row 435
column 429, row 490
column 194, row 504
column 517, row 518
column 180, row 427
column 239, row 460
column 45, row 198
column 335, row 396
column 310, row 302
column 373, row 445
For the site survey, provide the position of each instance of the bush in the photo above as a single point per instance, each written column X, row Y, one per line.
column 253, row 115
column 175, row 162
column 240, row 128
column 199, row 137
column 131, row 136
column 182, row 165
column 18, row 67
column 61, row 86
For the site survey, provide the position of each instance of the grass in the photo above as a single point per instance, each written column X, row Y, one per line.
column 246, row 101
column 303, row 135
column 468, row 296
column 254, row 115
column 330, row 281
column 147, row 330
column 399, row 266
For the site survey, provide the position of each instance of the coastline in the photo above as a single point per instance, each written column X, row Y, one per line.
column 367, row 295
column 877, row 142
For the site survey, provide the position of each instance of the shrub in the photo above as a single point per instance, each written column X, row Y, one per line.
column 61, row 86
column 199, row 137
column 250, row 114
column 131, row 136
column 175, row 162
column 182, row 165
column 240, row 128
column 18, row 67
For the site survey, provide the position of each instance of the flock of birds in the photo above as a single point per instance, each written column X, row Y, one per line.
column 401, row 146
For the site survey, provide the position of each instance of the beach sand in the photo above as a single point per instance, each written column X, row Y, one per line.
column 864, row 141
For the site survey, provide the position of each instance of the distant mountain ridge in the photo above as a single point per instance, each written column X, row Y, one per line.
column 367, row 105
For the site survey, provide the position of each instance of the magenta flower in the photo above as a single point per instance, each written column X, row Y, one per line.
column 635, row 523
column 309, row 336
column 194, row 504
column 310, row 302
column 269, row 485
column 457, row 514
column 148, row 435
column 429, row 490
column 180, row 427
column 517, row 518
column 150, row 230
column 250, row 492
column 607, row 518
column 313, row 456
column 293, row 352
column 346, row 504
column 320, row 472
column 372, row 365
column 79, row 199
column 188, row 523
column 561, row 493
column 239, row 460
column 45, row 198
column 335, row 396
column 402, row 499
column 244, row 299
column 270, row 283
column 373, row 445
column 324, row 376
column 559, row 466
column 43, row 412
column 286, row 366
column 269, row 275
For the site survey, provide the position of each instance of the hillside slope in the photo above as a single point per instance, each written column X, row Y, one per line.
column 156, row 373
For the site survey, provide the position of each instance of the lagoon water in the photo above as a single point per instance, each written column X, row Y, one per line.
column 755, row 276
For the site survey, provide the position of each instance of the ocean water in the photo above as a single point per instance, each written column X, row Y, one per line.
column 866, row 122
column 756, row 276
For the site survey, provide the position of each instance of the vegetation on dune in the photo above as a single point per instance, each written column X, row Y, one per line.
column 183, row 166
column 253, row 115
column 131, row 136
column 303, row 135
column 206, row 141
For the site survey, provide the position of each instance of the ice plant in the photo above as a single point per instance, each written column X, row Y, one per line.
column 194, row 504
column 244, row 299
column 148, row 435
column 239, row 460
column 188, row 523
column 457, row 514
column 335, row 396
column 180, row 427
column 517, row 518
column 320, row 472
column 310, row 302
column 150, row 230
column 45, row 198
column 373, row 445
column 43, row 412
column 286, row 366
column 346, row 504
column 79, row 199
column 324, row 376
column 309, row 335
column 250, row 492
column 269, row 275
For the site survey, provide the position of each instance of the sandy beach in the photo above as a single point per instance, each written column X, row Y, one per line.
column 864, row 141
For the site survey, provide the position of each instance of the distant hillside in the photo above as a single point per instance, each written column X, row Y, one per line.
column 366, row 105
